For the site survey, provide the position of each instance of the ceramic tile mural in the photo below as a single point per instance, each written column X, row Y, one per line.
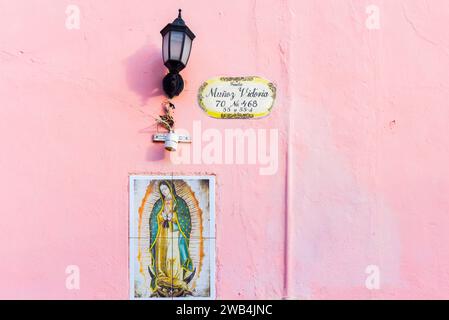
column 172, row 245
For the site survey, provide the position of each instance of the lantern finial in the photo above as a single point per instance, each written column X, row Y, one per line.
column 179, row 20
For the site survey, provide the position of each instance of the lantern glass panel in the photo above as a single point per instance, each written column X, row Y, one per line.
column 176, row 45
column 165, row 44
column 186, row 52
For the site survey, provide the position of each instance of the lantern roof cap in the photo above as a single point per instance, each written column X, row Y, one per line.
column 179, row 21
column 178, row 25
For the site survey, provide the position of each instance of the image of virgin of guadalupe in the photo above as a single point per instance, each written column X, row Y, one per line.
column 171, row 267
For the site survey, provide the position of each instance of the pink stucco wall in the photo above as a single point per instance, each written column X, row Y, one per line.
column 363, row 144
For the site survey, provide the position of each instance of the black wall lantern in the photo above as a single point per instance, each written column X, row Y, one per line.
column 177, row 41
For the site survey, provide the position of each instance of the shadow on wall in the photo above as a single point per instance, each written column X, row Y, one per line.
column 145, row 71
column 155, row 151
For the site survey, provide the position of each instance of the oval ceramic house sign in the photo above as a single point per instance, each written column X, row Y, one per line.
column 237, row 97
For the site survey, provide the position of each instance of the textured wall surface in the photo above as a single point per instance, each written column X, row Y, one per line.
column 363, row 147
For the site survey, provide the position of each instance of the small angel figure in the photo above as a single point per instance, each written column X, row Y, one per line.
column 167, row 121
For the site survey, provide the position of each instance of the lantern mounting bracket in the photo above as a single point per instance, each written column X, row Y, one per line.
column 173, row 84
column 171, row 140
column 162, row 137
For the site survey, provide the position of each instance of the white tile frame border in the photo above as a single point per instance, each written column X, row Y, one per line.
column 211, row 238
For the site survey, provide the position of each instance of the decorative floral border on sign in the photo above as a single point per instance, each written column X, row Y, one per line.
column 236, row 81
